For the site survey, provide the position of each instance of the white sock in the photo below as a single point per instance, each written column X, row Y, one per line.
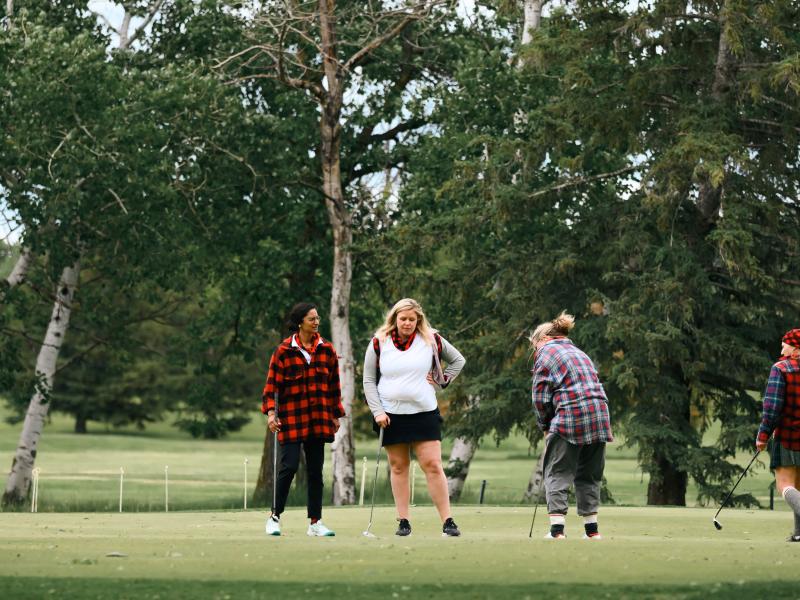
column 558, row 519
column 589, row 519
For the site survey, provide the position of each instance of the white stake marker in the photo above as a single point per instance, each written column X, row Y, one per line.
column 35, row 490
column 121, row 478
column 245, row 484
column 166, row 488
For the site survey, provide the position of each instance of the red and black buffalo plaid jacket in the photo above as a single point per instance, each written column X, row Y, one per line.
column 781, row 414
column 309, row 394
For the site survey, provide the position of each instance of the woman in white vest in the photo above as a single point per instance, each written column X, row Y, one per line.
column 402, row 371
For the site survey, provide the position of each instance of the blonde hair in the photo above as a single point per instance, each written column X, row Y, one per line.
column 390, row 322
column 558, row 327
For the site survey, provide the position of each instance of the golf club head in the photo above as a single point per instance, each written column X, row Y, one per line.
column 368, row 534
column 717, row 524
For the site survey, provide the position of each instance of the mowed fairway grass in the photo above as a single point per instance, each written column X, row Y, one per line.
column 647, row 552
column 208, row 547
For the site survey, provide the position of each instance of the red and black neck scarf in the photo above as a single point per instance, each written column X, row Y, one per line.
column 402, row 346
column 312, row 344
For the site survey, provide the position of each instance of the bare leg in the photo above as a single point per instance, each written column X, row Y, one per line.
column 429, row 456
column 399, row 461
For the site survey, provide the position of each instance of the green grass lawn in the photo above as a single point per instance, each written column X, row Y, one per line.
column 646, row 552
column 81, row 472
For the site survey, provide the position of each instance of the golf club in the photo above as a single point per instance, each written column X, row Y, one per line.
column 367, row 532
column 539, row 492
column 717, row 524
column 275, row 460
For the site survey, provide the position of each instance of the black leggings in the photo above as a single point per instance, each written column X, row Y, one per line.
column 290, row 460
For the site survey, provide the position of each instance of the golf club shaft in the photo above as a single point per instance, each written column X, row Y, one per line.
column 275, row 460
column 375, row 480
column 747, row 468
column 539, row 492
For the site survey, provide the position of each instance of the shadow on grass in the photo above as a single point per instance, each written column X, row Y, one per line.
column 101, row 588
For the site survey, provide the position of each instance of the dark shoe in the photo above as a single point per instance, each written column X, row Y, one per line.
column 404, row 528
column 591, row 532
column 793, row 538
column 556, row 533
column 450, row 529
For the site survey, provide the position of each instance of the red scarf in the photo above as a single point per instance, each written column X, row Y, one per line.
column 402, row 346
column 311, row 347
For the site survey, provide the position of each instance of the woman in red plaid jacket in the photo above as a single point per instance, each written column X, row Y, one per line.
column 781, row 421
column 304, row 377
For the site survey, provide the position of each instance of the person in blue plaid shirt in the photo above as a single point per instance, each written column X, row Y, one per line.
column 572, row 410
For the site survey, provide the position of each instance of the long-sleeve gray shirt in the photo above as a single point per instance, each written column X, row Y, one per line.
column 403, row 388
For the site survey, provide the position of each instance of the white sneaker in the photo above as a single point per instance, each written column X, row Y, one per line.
column 596, row 536
column 550, row 536
column 273, row 525
column 318, row 529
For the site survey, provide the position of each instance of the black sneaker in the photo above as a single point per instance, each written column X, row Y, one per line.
column 556, row 533
column 404, row 528
column 591, row 532
column 793, row 538
column 450, row 529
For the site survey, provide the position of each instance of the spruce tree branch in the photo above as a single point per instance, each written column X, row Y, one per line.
column 582, row 180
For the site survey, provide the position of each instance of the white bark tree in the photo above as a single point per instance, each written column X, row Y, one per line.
column 19, row 479
column 458, row 466
column 20, row 270
column 535, row 487
column 295, row 30
column 464, row 448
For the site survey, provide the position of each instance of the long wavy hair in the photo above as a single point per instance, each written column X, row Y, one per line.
column 390, row 322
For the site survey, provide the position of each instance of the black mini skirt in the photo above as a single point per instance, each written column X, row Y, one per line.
column 417, row 427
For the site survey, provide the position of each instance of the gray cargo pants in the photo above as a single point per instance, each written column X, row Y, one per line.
column 565, row 464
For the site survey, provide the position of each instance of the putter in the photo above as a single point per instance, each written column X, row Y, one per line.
column 367, row 532
column 539, row 493
column 717, row 524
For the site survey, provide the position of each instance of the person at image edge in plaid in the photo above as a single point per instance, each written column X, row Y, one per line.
column 781, row 421
column 304, row 374
column 572, row 410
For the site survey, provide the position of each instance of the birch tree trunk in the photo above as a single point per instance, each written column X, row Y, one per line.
column 20, row 270
column 262, row 495
column 535, row 486
column 9, row 14
column 19, row 479
column 458, row 466
column 343, row 451
column 532, row 19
